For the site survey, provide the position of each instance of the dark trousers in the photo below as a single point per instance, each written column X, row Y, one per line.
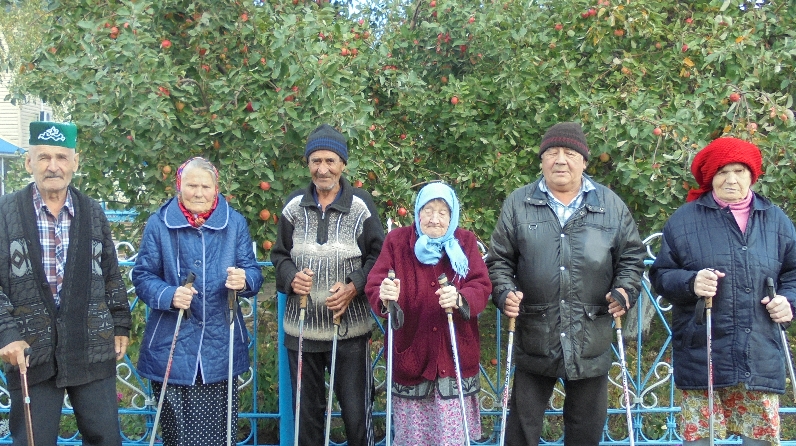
column 96, row 412
column 353, row 388
column 585, row 409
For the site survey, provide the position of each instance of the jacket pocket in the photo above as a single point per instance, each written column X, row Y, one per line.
column 411, row 362
column 596, row 335
column 534, row 335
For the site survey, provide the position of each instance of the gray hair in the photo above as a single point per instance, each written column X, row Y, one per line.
column 203, row 164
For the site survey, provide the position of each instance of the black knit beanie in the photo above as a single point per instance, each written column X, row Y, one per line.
column 565, row 134
column 326, row 137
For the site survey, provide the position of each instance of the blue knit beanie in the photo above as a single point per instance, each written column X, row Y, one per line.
column 326, row 137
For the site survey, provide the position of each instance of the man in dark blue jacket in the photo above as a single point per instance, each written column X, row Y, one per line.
column 562, row 245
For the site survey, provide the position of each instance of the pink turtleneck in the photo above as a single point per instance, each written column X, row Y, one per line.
column 740, row 210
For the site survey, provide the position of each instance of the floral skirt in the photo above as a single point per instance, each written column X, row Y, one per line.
column 736, row 410
column 434, row 421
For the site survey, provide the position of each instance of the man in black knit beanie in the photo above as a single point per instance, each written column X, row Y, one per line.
column 327, row 241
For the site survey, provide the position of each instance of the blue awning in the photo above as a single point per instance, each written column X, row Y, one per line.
column 8, row 149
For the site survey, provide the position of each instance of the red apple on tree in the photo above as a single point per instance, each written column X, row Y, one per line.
column 265, row 185
column 357, row 183
column 401, row 212
column 657, row 131
column 559, row 27
column 165, row 44
column 735, row 97
column 454, row 100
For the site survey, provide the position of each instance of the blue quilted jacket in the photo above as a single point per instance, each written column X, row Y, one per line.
column 746, row 344
column 171, row 248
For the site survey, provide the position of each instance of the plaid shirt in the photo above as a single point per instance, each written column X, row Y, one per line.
column 564, row 211
column 54, row 237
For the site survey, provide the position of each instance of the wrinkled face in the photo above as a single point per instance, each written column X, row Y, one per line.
column 562, row 169
column 198, row 190
column 435, row 217
column 731, row 183
column 52, row 167
column 326, row 167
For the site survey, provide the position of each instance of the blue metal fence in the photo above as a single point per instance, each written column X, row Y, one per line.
column 653, row 395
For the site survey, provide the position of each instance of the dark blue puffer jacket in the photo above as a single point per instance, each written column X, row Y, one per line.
column 171, row 248
column 746, row 344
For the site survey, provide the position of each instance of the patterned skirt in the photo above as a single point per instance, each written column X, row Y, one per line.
column 435, row 420
column 197, row 415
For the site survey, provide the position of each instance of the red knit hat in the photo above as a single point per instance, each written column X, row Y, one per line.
column 719, row 153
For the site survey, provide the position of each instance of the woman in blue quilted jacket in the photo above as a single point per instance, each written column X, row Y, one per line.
column 195, row 232
column 724, row 244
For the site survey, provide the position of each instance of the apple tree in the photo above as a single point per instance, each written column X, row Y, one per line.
column 425, row 90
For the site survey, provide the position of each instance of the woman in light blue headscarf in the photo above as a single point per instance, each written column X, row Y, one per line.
column 426, row 409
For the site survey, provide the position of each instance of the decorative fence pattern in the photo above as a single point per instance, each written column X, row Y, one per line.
column 647, row 343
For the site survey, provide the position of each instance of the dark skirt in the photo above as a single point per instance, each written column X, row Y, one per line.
column 197, row 415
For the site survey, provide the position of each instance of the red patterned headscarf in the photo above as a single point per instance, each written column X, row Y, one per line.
column 719, row 153
column 196, row 220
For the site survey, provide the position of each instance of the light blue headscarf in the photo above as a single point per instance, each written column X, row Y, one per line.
column 429, row 250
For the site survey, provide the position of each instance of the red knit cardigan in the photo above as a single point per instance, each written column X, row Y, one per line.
column 422, row 346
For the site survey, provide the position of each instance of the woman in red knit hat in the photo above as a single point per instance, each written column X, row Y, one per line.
column 723, row 244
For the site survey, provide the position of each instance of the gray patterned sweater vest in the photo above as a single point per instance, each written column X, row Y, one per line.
column 339, row 245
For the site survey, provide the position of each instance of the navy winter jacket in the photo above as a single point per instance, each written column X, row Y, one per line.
column 170, row 250
column 746, row 343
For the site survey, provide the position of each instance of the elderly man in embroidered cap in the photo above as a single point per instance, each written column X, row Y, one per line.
column 62, row 297
column 563, row 247
column 327, row 241
column 723, row 243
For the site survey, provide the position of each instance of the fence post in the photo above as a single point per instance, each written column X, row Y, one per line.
column 286, row 423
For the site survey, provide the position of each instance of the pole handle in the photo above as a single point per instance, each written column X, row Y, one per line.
column 303, row 301
column 709, row 303
column 443, row 282
column 391, row 304
column 618, row 322
column 188, row 284
column 512, row 324
column 770, row 288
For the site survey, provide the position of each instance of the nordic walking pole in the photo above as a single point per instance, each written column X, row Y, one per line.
column 188, row 284
column 443, row 282
column 621, row 343
column 303, row 310
column 709, row 325
column 232, row 300
column 23, row 376
column 783, row 327
column 395, row 320
column 336, row 322
column 509, row 349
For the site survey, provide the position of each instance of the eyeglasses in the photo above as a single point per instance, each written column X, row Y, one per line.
column 554, row 153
